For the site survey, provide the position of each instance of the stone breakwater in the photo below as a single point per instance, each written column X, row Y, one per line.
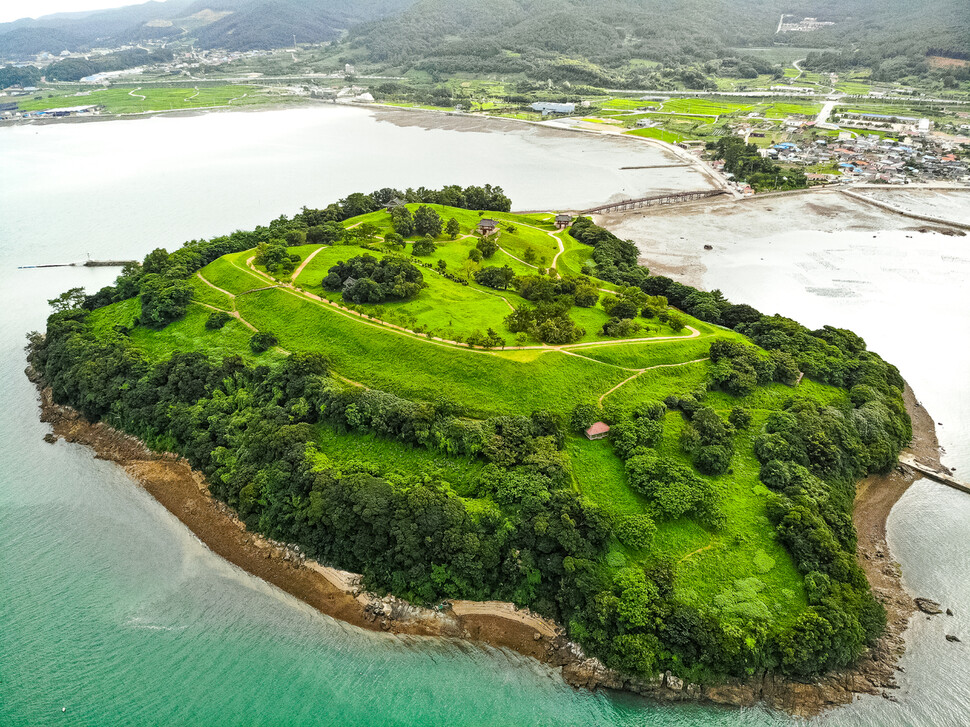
column 340, row 594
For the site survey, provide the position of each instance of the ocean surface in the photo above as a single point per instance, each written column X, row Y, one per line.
column 114, row 614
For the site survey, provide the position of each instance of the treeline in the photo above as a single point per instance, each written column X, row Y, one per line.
column 251, row 431
column 603, row 43
column 74, row 69
column 19, row 76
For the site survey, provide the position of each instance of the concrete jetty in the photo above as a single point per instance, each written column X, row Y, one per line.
column 944, row 478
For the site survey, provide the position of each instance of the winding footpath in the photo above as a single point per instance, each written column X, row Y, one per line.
column 573, row 349
column 648, row 368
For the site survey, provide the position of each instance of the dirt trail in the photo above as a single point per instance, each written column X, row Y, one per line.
column 648, row 368
column 232, row 296
column 394, row 328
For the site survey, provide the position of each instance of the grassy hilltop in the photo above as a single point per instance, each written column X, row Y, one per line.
column 709, row 533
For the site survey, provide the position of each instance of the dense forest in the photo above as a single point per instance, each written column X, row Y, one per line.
column 251, row 431
column 600, row 43
column 74, row 69
column 231, row 24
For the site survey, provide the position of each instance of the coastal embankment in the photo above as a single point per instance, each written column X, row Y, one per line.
column 339, row 594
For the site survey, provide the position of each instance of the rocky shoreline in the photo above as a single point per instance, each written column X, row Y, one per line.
column 184, row 492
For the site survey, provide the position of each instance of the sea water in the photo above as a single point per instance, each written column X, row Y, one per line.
column 113, row 613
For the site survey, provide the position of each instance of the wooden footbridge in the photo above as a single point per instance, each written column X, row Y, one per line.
column 944, row 478
column 657, row 199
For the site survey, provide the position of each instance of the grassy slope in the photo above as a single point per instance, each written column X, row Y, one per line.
column 711, row 566
column 188, row 334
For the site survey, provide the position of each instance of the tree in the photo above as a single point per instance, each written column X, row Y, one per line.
column 621, row 327
column 586, row 296
column 424, row 247
column 357, row 204
column 623, row 308
column 163, row 300
column 475, row 255
column 486, row 246
column 636, row 531
column 393, row 241
column 740, row 418
column 468, row 268
column 453, row 228
column 326, row 234
column 442, row 266
column 275, row 258
column 367, row 279
column 69, row 300
column 583, row 417
column 217, row 319
column 156, row 261
column 427, row 222
column 495, row 277
column 295, row 237
column 261, row 341
column 403, row 221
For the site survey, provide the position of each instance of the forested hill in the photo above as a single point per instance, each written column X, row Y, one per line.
column 594, row 41
column 519, row 35
column 230, row 24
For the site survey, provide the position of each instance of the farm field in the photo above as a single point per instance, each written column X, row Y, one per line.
column 135, row 99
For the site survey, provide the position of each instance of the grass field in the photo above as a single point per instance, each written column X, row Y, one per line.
column 154, row 98
column 187, row 334
column 452, row 311
column 657, row 133
column 392, row 458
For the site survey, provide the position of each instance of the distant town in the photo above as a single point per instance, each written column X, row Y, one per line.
column 834, row 130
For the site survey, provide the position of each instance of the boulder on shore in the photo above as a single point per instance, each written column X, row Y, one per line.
column 928, row 606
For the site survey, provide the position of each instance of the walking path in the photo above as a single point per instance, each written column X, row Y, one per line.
column 649, row 368
column 393, row 327
column 566, row 349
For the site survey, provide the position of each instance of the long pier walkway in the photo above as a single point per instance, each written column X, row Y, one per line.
column 657, row 199
column 944, row 478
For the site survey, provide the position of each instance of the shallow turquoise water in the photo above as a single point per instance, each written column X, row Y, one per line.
column 112, row 610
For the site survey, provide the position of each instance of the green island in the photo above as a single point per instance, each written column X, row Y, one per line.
column 413, row 385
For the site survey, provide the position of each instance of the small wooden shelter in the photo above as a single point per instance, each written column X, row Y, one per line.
column 487, row 226
column 598, row 430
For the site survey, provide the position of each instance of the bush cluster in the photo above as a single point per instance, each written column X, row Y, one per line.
column 367, row 279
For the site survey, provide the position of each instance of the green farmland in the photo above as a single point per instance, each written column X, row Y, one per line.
column 129, row 100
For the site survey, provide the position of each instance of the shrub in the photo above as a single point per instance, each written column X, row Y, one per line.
column 424, row 247
column 261, row 341
column 740, row 418
column 636, row 531
column 583, row 417
column 217, row 319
